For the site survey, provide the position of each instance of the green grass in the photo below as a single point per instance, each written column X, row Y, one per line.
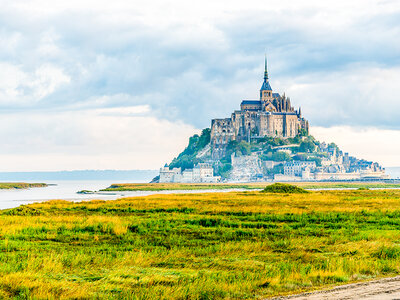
column 237, row 245
column 178, row 186
column 247, row 186
column 20, row 185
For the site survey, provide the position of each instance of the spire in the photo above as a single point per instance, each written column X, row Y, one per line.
column 265, row 86
column 266, row 69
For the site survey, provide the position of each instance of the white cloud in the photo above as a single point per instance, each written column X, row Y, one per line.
column 46, row 80
column 123, row 111
column 18, row 86
column 357, row 95
column 11, row 78
column 89, row 140
column 381, row 145
column 104, row 71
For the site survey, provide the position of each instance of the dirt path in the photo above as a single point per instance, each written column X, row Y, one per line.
column 383, row 289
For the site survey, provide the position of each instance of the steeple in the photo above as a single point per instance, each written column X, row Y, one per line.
column 266, row 69
column 266, row 90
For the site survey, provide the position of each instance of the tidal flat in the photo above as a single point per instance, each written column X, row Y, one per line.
column 235, row 245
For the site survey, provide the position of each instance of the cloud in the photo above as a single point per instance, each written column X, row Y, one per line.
column 374, row 144
column 20, row 88
column 184, row 63
column 97, row 139
column 356, row 96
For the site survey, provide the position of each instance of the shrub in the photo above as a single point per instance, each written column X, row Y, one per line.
column 284, row 188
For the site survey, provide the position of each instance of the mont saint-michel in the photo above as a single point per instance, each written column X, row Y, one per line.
column 266, row 139
column 270, row 116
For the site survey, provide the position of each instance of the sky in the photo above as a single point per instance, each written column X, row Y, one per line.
column 123, row 84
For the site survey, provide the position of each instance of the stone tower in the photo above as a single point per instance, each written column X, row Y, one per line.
column 270, row 116
column 266, row 96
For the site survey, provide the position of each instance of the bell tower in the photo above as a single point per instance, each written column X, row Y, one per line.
column 266, row 90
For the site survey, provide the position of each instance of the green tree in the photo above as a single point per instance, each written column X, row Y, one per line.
column 281, row 156
column 307, row 146
column 187, row 158
column 302, row 132
column 224, row 170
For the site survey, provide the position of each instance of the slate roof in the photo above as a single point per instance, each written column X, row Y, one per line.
column 266, row 86
column 254, row 102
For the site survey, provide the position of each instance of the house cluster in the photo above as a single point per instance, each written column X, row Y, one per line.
column 201, row 173
column 336, row 165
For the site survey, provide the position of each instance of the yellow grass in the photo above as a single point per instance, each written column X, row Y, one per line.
column 235, row 245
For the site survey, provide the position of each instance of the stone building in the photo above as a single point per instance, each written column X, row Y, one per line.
column 201, row 172
column 167, row 175
column 296, row 167
column 272, row 115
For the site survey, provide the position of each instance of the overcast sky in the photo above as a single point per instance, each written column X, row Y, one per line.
column 123, row 84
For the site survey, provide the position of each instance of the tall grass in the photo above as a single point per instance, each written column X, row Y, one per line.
column 198, row 246
column 245, row 186
column 20, row 185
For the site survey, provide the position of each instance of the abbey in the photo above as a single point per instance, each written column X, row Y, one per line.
column 272, row 116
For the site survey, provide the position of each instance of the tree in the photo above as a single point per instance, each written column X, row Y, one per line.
column 333, row 146
column 204, row 138
column 302, row 132
column 307, row 146
column 187, row 158
column 239, row 148
column 281, row 156
column 224, row 170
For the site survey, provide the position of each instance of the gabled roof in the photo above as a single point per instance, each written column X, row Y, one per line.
column 254, row 102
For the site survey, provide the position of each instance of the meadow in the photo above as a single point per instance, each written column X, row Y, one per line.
column 236, row 245
column 245, row 186
column 19, row 185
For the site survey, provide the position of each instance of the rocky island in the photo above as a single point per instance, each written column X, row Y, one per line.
column 267, row 139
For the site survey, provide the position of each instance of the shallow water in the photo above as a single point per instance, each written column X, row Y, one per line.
column 63, row 189
column 66, row 190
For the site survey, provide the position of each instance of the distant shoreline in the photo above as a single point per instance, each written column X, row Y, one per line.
column 249, row 186
column 20, row 185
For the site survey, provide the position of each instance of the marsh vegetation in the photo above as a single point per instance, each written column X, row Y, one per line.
column 236, row 245
column 247, row 186
column 19, row 185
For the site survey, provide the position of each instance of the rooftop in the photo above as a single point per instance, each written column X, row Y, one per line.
column 255, row 102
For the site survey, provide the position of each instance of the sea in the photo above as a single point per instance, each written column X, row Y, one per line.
column 393, row 172
column 65, row 185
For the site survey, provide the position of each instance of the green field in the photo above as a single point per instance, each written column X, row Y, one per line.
column 19, row 185
column 180, row 186
column 247, row 186
column 236, row 245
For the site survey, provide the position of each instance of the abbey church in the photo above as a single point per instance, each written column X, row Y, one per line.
column 272, row 116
